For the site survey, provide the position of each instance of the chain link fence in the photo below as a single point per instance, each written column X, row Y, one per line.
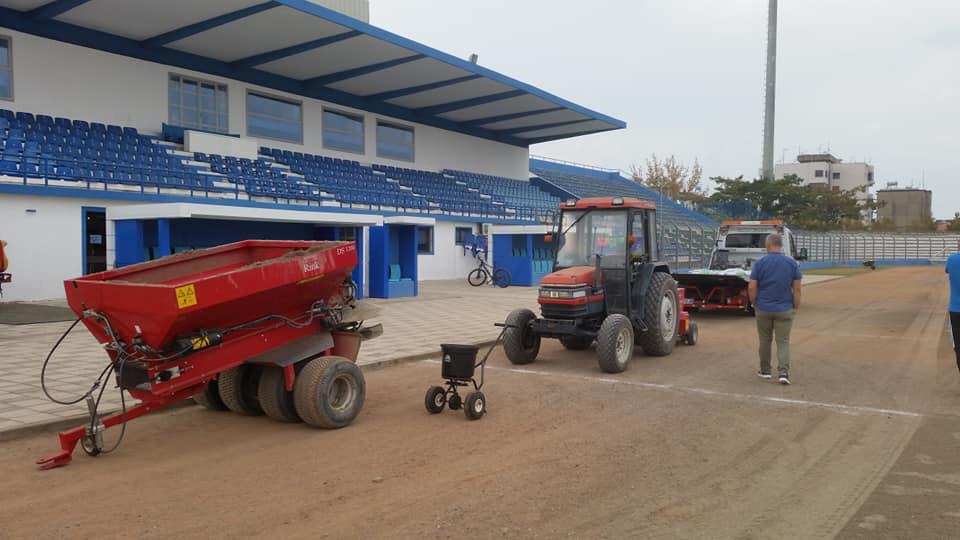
column 847, row 247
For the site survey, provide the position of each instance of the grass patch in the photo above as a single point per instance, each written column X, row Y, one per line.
column 840, row 271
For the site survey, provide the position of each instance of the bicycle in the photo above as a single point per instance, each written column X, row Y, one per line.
column 484, row 274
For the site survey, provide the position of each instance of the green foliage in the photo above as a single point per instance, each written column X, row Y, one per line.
column 807, row 207
column 954, row 225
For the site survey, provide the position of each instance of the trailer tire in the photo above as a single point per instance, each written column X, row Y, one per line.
column 520, row 344
column 576, row 343
column 275, row 400
column 210, row 398
column 661, row 315
column 329, row 392
column 693, row 335
column 615, row 343
column 238, row 390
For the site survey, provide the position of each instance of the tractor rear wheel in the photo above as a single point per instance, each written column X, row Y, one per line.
column 615, row 343
column 576, row 343
column 661, row 315
column 238, row 389
column 519, row 341
column 210, row 398
column 329, row 392
column 276, row 401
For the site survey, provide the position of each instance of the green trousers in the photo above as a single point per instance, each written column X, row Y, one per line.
column 770, row 325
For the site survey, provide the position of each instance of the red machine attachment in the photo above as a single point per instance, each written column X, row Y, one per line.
column 270, row 321
column 4, row 263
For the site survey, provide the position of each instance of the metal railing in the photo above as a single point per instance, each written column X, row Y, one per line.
column 685, row 245
column 845, row 247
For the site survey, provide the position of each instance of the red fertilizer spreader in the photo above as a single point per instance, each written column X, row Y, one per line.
column 257, row 327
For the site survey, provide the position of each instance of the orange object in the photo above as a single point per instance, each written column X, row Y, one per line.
column 4, row 263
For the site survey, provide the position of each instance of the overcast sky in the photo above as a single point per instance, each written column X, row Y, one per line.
column 875, row 80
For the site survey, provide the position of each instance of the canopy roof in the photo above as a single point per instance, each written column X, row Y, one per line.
column 299, row 47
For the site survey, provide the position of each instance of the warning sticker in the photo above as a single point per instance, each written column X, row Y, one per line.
column 186, row 296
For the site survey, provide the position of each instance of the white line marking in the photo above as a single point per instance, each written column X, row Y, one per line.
column 838, row 407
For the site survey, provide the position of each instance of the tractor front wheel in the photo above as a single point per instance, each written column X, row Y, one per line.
column 519, row 341
column 661, row 315
column 615, row 343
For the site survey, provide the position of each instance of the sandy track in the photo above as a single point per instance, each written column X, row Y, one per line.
column 688, row 446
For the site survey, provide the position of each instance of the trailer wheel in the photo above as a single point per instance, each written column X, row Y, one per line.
column 576, row 343
column 435, row 399
column 210, row 398
column 693, row 334
column 661, row 315
column 474, row 406
column 615, row 343
column 519, row 342
column 329, row 392
column 238, row 390
column 276, row 401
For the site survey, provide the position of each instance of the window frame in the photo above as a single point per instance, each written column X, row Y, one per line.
column 9, row 40
column 274, row 97
column 456, row 235
column 351, row 116
column 200, row 82
column 819, row 173
column 399, row 126
column 432, row 240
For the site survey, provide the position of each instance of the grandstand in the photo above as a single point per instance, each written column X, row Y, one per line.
column 687, row 238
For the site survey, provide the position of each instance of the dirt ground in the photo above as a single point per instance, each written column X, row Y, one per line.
column 864, row 444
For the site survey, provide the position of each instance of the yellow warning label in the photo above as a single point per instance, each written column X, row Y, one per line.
column 186, row 296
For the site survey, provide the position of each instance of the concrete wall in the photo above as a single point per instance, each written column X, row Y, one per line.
column 58, row 79
column 448, row 260
column 45, row 243
column 851, row 175
column 905, row 207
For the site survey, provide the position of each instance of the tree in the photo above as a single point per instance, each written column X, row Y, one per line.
column 954, row 225
column 671, row 178
column 808, row 207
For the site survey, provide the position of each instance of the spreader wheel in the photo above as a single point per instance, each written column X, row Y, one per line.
column 276, row 401
column 474, row 406
column 435, row 399
column 238, row 389
column 210, row 398
column 329, row 392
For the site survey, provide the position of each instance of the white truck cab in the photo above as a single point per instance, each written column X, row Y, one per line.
column 740, row 243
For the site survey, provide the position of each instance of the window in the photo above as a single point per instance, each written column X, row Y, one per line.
column 198, row 104
column 836, row 176
column 461, row 235
column 6, row 69
column 638, row 237
column 274, row 118
column 746, row 240
column 425, row 240
column 818, row 173
column 343, row 132
column 394, row 142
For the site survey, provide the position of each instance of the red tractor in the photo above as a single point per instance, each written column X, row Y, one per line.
column 607, row 286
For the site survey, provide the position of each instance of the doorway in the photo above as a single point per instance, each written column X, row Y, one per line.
column 94, row 240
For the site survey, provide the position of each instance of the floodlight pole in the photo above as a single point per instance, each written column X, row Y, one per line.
column 770, row 93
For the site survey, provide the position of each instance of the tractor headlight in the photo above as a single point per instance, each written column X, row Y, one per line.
column 564, row 293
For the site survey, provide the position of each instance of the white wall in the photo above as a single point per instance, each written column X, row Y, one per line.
column 45, row 246
column 448, row 260
column 852, row 175
column 58, row 79
column 358, row 9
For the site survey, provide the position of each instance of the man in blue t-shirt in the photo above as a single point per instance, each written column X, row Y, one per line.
column 775, row 294
column 953, row 270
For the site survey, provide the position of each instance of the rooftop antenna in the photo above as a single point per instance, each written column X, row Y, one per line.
column 473, row 58
column 770, row 91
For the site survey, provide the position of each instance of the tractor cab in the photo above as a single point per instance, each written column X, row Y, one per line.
column 608, row 286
